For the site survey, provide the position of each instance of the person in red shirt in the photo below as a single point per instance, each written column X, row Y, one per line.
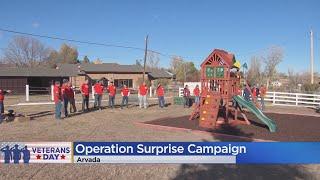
column 125, row 93
column 71, row 98
column 98, row 91
column 186, row 95
column 254, row 93
column 112, row 94
column 57, row 99
column 160, row 93
column 196, row 93
column 142, row 94
column 85, row 95
column 65, row 92
column 2, row 93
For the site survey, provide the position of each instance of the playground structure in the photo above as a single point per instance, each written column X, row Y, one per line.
column 221, row 94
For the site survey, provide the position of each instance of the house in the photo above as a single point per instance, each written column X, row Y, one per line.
column 41, row 77
column 130, row 75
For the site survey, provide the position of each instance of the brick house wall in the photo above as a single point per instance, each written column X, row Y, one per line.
column 77, row 81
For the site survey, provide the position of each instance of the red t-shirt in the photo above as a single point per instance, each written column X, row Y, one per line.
column 64, row 89
column 196, row 92
column 2, row 92
column 254, row 92
column 85, row 89
column 125, row 91
column 186, row 92
column 112, row 90
column 160, row 91
column 56, row 93
column 143, row 90
column 98, row 88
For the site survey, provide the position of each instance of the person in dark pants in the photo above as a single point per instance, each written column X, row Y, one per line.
column 64, row 91
column 57, row 99
column 160, row 93
column 125, row 93
column 186, row 96
column 72, row 101
column 98, row 91
column 112, row 94
column 85, row 95
column 247, row 92
column 2, row 93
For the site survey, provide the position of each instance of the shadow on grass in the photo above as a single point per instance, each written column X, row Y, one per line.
column 228, row 171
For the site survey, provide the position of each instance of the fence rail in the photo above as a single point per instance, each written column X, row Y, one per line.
column 288, row 99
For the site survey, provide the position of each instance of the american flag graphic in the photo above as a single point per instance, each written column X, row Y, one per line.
column 36, row 152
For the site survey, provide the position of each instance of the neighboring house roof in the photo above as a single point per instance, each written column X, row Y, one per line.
column 102, row 68
column 160, row 73
column 35, row 72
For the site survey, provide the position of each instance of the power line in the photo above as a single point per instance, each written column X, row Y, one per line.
column 87, row 42
column 70, row 40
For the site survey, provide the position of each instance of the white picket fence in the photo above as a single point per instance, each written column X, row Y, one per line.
column 287, row 99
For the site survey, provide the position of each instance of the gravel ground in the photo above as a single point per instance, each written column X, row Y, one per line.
column 118, row 125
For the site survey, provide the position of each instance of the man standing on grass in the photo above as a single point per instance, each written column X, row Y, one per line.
column 112, row 94
column 85, row 95
column 98, row 91
column 2, row 93
column 160, row 93
column 71, row 99
column 125, row 93
column 196, row 93
column 65, row 92
column 142, row 94
column 186, row 96
column 57, row 99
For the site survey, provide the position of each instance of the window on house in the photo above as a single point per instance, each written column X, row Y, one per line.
column 120, row 82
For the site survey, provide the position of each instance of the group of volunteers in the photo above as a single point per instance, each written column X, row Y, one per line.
column 64, row 94
column 252, row 94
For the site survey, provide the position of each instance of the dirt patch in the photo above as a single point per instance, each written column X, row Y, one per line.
column 289, row 127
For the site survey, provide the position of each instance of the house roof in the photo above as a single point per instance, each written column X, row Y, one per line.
column 68, row 70
column 102, row 68
column 160, row 73
column 35, row 72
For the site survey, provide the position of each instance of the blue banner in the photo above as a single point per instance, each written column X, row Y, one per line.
column 245, row 152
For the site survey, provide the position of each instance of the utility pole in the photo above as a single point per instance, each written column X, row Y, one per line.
column 145, row 58
column 311, row 55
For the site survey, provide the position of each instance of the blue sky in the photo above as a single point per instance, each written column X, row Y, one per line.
column 183, row 27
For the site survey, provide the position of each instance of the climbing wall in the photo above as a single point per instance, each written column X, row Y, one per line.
column 209, row 110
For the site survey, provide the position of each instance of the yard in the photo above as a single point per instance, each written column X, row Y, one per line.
column 125, row 125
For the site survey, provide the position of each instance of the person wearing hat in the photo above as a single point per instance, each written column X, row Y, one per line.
column 98, row 91
column 112, row 94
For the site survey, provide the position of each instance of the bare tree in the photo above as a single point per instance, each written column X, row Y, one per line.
column 254, row 73
column 153, row 60
column 274, row 57
column 25, row 52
